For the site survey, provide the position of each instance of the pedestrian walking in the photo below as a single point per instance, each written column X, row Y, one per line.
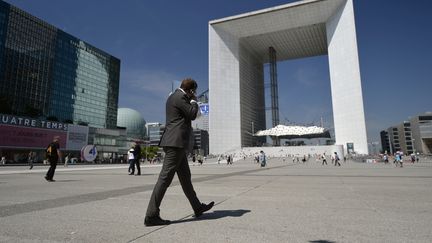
column 413, row 158
column 53, row 154
column 31, row 158
column 262, row 159
column 137, row 157
column 398, row 159
column 181, row 109
column 336, row 159
column 66, row 160
column 131, row 160
column 386, row 160
column 324, row 160
column 200, row 159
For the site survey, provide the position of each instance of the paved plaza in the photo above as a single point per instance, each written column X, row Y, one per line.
column 284, row 202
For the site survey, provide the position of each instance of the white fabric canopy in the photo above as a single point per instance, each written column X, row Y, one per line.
column 282, row 130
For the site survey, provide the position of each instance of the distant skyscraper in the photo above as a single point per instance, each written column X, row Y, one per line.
column 46, row 71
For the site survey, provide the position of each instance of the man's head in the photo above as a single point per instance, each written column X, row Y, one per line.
column 189, row 85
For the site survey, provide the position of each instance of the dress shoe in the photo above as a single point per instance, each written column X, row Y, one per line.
column 130, row 173
column 155, row 221
column 204, row 208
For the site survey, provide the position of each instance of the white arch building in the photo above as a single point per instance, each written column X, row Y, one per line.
column 238, row 48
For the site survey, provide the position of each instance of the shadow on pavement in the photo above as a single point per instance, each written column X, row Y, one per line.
column 217, row 214
column 66, row 180
column 321, row 241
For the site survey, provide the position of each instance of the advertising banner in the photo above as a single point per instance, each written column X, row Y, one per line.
column 28, row 137
column 77, row 137
column 24, row 132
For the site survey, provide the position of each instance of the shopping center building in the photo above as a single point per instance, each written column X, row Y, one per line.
column 48, row 76
column 47, row 72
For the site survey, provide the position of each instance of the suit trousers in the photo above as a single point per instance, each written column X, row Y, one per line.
column 175, row 161
column 52, row 168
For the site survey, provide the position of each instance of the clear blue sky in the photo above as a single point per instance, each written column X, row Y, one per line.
column 162, row 41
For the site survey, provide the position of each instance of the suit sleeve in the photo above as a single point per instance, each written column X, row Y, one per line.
column 189, row 110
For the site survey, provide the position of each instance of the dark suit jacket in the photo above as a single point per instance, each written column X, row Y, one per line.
column 179, row 116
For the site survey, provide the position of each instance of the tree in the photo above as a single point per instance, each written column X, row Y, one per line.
column 150, row 152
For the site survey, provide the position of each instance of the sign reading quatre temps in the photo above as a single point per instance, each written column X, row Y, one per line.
column 89, row 153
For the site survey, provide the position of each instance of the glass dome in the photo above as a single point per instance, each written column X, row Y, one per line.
column 132, row 120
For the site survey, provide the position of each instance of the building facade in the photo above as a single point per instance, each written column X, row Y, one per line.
column 201, row 139
column 202, row 121
column 385, row 142
column 413, row 136
column 154, row 133
column 421, row 129
column 111, row 144
column 46, row 72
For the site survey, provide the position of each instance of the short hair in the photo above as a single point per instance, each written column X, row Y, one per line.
column 188, row 84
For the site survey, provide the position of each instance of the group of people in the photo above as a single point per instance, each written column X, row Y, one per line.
column 229, row 159
column 398, row 158
column 261, row 159
column 134, row 156
column 198, row 158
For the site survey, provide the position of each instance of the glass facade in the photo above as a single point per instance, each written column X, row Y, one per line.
column 48, row 72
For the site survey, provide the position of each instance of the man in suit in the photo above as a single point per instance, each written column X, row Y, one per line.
column 181, row 109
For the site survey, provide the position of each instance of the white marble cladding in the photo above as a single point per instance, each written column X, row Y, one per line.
column 236, row 68
column 252, row 100
column 346, row 90
column 224, row 90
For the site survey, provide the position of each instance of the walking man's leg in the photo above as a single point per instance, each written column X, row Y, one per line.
column 169, row 167
column 184, row 175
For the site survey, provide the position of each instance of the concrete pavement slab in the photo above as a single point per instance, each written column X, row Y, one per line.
column 283, row 202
